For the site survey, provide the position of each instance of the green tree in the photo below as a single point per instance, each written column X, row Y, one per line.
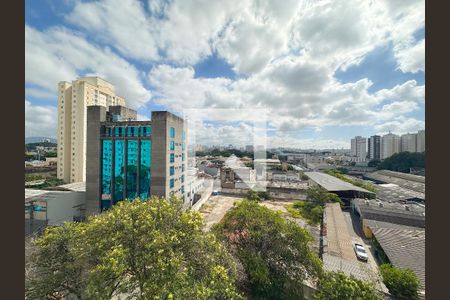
column 275, row 254
column 145, row 250
column 374, row 163
column 402, row 283
column 337, row 286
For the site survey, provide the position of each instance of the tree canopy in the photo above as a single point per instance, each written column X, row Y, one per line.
column 403, row 161
column 144, row 250
column 337, row 286
column 402, row 283
column 274, row 253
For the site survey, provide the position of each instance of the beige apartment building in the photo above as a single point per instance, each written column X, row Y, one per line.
column 390, row 144
column 420, row 145
column 73, row 99
column 409, row 142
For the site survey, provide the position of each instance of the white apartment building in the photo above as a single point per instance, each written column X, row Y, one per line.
column 390, row 144
column 408, row 142
column 420, row 143
column 359, row 148
column 73, row 98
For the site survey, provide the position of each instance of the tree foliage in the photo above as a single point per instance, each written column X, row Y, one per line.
column 257, row 196
column 337, row 286
column 403, row 161
column 402, row 283
column 144, row 250
column 274, row 253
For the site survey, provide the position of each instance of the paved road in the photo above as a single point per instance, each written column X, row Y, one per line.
column 354, row 228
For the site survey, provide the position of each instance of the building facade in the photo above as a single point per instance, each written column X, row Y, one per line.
column 359, row 148
column 409, row 142
column 390, row 144
column 73, row 98
column 420, row 145
column 374, row 147
column 128, row 159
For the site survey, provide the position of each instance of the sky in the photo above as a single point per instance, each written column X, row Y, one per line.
column 322, row 71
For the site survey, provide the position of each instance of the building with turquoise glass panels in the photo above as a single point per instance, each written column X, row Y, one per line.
column 128, row 159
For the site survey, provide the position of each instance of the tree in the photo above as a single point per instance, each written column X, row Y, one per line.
column 337, row 286
column 374, row 163
column 403, row 161
column 145, row 250
column 402, row 283
column 274, row 253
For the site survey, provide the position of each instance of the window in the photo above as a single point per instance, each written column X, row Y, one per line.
column 172, row 157
column 172, row 132
column 172, row 170
column 182, row 178
column 119, row 170
column 132, row 131
column 172, row 145
column 144, row 169
column 132, row 160
column 182, row 156
column 146, row 131
column 106, row 174
column 172, row 183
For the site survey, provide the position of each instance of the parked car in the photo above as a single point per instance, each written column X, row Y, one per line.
column 360, row 252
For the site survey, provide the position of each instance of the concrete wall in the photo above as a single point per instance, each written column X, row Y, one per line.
column 64, row 207
column 95, row 115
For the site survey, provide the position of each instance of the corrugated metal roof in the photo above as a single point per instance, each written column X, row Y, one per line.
column 405, row 248
column 407, row 181
column 333, row 184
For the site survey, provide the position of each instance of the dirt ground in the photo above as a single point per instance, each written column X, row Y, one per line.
column 215, row 208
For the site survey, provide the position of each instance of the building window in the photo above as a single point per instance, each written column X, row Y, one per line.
column 144, row 169
column 119, row 160
column 119, row 131
column 172, row 145
column 132, row 131
column 172, row 157
column 132, row 159
column 172, row 170
column 182, row 178
column 172, row 183
column 106, row 174
column 182, row 156
column 172, row 132
column 146, row 131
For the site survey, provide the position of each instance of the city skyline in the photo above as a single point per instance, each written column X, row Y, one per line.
column 322, row 85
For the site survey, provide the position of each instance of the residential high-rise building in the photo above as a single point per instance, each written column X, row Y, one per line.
column 390, row 144
column 129, row 159
column 420, row 145
column 409, row 142
column 374, row 147
column 359, row 148
column 73, row 98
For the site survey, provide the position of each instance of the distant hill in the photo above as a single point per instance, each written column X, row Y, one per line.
column 39, row 139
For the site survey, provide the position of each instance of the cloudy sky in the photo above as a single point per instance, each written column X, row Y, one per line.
column 324, row 71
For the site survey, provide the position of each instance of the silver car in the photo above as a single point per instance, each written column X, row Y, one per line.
column 360, row 252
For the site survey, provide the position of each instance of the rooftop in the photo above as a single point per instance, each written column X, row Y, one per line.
column 333, row 184
column 407, row 181
column 405, row 248
column 393, row 192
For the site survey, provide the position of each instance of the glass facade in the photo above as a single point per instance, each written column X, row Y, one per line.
column 172, row 145
column 132, row 131
column 132, row 165
column 146, row 131
column 172, row 132
column 106, row 174
column 144, row 169
column 172, row 183
column 119, row 159
column 172, row 170
column 172, row 157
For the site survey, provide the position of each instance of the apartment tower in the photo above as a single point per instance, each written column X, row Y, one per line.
column 420, row 145
column 374, row 147
column 359, row 148
column 409, row 142
column 390, row 144
column 73, row 99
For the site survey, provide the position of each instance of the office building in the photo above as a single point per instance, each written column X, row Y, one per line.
column 127, row 159
column 73, row 98
column 420, row 143
column 390, row 144
column 374, row 147
column 359, row 148
column 249, row 148
column 409, row 142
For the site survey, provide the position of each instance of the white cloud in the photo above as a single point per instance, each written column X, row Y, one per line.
column 400, row 125
column 40, row 120
column 59, row 54
column 411, row 58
